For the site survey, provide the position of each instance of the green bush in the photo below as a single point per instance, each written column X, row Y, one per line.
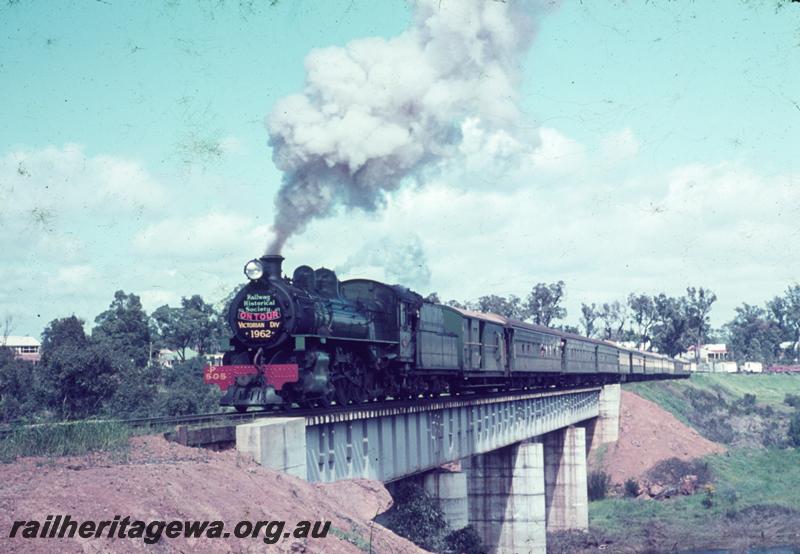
column 672, row 470
column 792, row 400
column 794, row 430
column 137, row 393
column 631, row 488
column 185, row 392
column 728, row 495
column 708, row 499
column 416, row 517
column 598, row 485
column 744, row 405
column 464, row 541
column 17, row 393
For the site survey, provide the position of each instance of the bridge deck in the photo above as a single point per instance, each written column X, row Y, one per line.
column 394, row 442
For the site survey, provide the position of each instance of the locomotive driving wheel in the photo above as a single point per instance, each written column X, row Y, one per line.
column 356, row 391
column 348, row 384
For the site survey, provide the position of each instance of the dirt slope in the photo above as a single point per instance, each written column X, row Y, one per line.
column 648, row 434
column 160, row 480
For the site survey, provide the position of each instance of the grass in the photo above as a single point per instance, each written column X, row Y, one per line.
column 769, row 476
column 667, row 395
column 743, row 478
column 354, row 538
column 738, row 410
column 64, row 439
column 770, row 389
column 759, row 477
column 754, row 489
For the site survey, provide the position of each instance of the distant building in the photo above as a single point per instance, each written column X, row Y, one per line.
column 710, row 353
column 713, row 358
column 168, row 358
column 25, row 348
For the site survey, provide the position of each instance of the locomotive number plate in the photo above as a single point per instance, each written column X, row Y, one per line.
column 276, row 375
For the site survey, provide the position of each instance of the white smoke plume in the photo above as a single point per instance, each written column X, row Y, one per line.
column 380, row 111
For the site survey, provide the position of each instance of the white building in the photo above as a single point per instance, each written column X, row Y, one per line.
column 713, row 358
column 168, row 358
column 25, row 348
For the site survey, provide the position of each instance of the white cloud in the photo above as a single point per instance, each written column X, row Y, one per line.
column 53, row 200
column 154, row 298
column 231, row 145
column 557, row 152
column 66, row 179
column 202, row 237
column 619, row 146
column 71, row 278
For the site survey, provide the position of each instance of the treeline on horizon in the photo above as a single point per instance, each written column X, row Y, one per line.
column 115, row 370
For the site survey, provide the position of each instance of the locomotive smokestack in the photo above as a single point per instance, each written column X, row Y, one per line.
column 272, row 265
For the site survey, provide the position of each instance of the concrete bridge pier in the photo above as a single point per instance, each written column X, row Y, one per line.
column 507, row 498
column 278, row 443
column 449, row 489
column 565, row 481
column 606, row 428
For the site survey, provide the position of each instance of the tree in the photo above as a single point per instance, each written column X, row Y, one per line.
column 224, row 305
column 123, row 328
column 785, row 310
column 500, row 305
column 17, row 396
column 643, row 316
column 185, row 392
column 698, row 307
column 671, row 325
column 613, row 316
column 75, row 376
column 7, row 327
column 194, row 325
column 752, row 335
column 433, row 298
column 589, row 315
column 544, row 303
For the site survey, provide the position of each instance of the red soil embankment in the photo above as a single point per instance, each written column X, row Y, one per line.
column 648, row 434
column 157, row 480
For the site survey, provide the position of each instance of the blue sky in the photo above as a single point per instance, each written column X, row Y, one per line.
column 662, row 153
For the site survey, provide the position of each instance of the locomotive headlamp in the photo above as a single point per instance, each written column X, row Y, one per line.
column 254, row 269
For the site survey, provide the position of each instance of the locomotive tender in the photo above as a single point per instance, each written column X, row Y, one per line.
column 313, row 340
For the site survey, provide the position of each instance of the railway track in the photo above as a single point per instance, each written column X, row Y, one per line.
column 146, row 422
column 333, row 411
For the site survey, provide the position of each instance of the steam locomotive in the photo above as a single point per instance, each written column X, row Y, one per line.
column 313, row 340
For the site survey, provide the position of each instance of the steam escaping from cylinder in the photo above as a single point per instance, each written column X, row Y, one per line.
column 380, row 112
column 399, row 260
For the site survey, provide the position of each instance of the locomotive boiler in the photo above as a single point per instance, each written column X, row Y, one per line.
column 313, row 340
